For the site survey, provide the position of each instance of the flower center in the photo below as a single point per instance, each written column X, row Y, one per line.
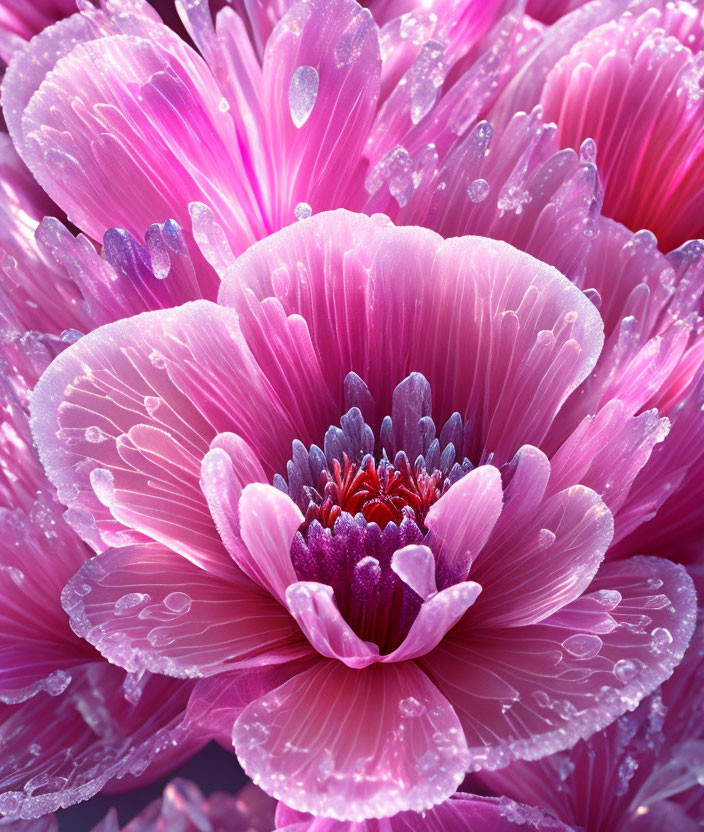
column 381, row 493
column 363, row 499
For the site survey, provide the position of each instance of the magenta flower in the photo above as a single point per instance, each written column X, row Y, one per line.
column 70, row 723
column 643, row 66
column 640, row 774
column 271, row 470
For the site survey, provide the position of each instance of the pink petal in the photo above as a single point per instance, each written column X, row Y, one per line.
column 147, row 608
column 415, row 565
column 227, row 468
column 435, row 619
column 329, row 741
column 463, row 518
column 539, row 559
column 36, row 294
column 633, row 774
column 607, row 451
column 526, row 692
column 90, row 108
column 313, row 606
column 511, row 183
column 534, row 335
column 217, row 701
column 461, row 813
column 55, row 757
column 269, row 520
column 652, row 140
column 38, row 651
column 321, row 80
column 125, row 416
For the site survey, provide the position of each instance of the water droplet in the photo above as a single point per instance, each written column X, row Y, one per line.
column 178, row 602
column 157, row 360
column 151, row 403
column 625, row 670
column 95, row 434
column 127, row 604
column 70, row 336
column 478, row 190
column 411, row 707
column 659, row 639
column 57, row 682
column 583, row 645
column 159, row 639
column 223, row 105
column 302, row 93
column 302, row 211
column 82, row 589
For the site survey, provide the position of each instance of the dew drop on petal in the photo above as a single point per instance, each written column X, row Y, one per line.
column 625, row 670
column 302, row 211
column 70, row 336
column 302, row 94
column 178, row 602
column 128, row 603
column 95, row 434
column 583, row 646
column 478, row 190
column 660, row 637
column 411, row 707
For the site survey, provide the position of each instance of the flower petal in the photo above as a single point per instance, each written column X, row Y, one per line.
column 540, row 558
column 463, row 518
column 99, row 109
column 125, row 416
column 526, row 692
column 313, row 606
column 269, row 520
column 650, row 153
column 367, row 289
column 353, row 743
column 59, row 755
column 147, row 608
column 321, row 80
column 461, row 813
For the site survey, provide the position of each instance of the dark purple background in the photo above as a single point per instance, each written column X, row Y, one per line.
column 213, row 769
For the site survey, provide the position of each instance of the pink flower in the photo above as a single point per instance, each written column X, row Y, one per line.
column 441, row 601
column 642, row 773
column 70, row 723
column 642, row 67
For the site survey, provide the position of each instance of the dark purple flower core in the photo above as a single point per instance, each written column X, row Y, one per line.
column 363, row 499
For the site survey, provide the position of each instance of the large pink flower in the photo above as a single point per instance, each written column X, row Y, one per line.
column 271, row 471
column 70, row 723
column 640, row 774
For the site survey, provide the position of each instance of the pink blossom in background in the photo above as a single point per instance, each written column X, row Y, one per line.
column 438, row 613
column 70, row 722
column 641, row 774
column 643, row 67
